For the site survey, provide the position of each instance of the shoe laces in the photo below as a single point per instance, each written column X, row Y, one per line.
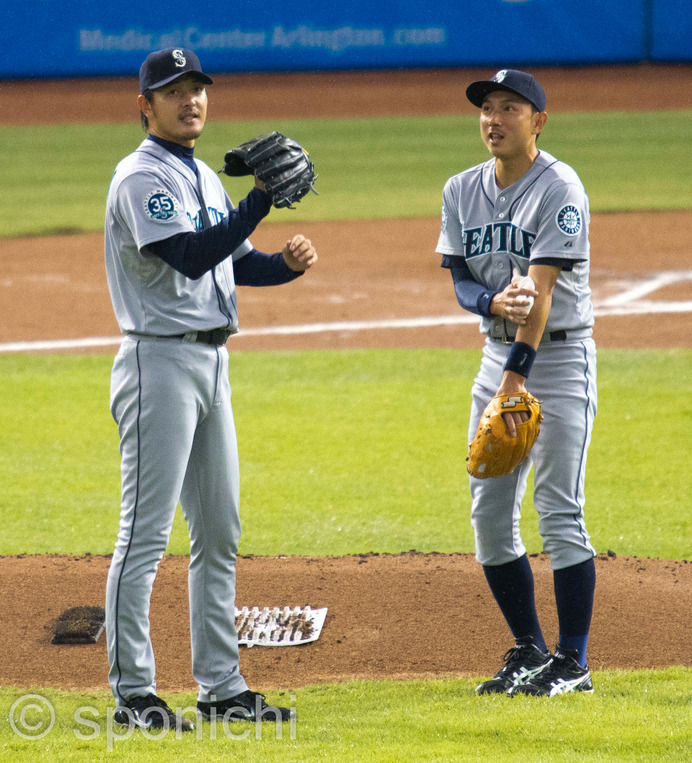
column 250, row 697
column 151, row 700
column 556, row 667
column 514, row 655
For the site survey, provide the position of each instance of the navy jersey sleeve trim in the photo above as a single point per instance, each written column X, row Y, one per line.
column 456, row 261
column 556, row 262
column 196, row 252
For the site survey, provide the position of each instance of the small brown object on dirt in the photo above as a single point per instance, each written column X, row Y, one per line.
column 79, row 625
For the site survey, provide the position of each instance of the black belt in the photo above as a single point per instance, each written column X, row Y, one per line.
column 217, row 337
column 551, row 336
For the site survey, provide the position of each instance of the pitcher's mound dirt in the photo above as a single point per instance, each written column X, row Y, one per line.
column 410, row 615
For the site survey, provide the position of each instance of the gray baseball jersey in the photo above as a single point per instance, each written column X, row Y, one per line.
column 545, row 215
column 153, row 195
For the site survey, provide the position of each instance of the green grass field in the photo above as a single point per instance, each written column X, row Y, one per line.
column 381, row 429
column 385, row 431
column 56, row 177
column 633, row 717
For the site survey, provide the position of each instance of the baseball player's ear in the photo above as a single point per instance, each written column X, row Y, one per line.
column 144, row 105
column 540, row 118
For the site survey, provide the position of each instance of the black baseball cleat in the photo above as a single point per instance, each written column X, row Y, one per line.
column 246, row 706
column 563, row 675
column 150, row 712
column 523, row 662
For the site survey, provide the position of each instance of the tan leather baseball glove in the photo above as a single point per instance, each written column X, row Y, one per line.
column 493, row 452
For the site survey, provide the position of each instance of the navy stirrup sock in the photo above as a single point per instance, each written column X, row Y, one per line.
column 512, row 586
column 574, row 594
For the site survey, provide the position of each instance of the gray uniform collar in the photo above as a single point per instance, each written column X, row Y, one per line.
column 164, row 155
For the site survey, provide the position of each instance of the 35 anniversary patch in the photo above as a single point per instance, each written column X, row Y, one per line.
column 160, row 205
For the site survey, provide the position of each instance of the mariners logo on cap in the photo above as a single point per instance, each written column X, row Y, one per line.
column 569, row 220
column 178, row 58
column 500, row 75
column 160, row 205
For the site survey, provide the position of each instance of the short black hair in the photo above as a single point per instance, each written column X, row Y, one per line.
column 534, row 110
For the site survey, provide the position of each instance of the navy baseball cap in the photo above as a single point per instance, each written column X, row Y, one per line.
column 521, row 83
column 164, row 66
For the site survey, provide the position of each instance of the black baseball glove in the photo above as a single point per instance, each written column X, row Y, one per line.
column 279, row 162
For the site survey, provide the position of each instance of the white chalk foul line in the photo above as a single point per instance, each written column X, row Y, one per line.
column 60, row 344
column 601, row 310
column 638, row 290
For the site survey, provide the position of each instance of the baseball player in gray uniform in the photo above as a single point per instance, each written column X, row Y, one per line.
column 515, row 237
column 175, row 248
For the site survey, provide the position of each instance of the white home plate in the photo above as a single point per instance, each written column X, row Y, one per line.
column 276, row 626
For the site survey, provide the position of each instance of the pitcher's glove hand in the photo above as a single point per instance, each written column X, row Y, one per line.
column 493, row 452
column 279, row 162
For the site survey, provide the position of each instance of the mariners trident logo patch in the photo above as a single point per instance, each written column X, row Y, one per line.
column 569, row 220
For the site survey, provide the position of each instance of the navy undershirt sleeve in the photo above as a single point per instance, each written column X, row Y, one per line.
column 196, row 252
column 260, row 269
column 471, row 295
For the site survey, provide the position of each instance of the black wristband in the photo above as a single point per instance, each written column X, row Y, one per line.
column 520, row 359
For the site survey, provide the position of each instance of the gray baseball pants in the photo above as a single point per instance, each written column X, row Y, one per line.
column 172, row 403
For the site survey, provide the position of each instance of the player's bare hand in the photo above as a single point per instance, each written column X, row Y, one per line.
column 513, row 384
column 512, row 420
column 299, row 253
column 514, row 302
column 260, row 184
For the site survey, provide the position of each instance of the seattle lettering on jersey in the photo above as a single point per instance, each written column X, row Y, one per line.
column 214, row 216
column 497, row 237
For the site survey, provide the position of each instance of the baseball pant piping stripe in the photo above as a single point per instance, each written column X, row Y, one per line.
column 582, row 465
column 520, row 489
column 134, row 520
column 216, row 379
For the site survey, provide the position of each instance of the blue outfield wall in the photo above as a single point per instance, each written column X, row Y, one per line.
column 74, row 38
column 671, row 25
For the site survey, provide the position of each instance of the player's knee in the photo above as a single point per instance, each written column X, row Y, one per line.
column 493, row 549
column 567, row 551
